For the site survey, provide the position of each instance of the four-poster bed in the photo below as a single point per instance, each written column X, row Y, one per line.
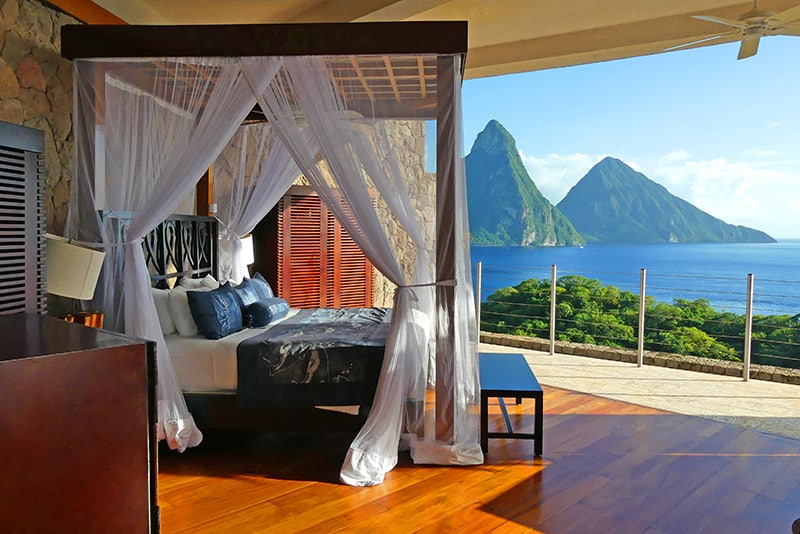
column 312, row 359
column 156, row 105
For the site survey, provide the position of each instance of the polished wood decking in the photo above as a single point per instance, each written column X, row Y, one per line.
column 608, row 466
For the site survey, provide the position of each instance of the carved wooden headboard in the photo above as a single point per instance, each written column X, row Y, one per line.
column 181, row 245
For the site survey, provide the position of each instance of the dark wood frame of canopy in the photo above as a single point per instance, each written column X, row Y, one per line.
column 366, row 84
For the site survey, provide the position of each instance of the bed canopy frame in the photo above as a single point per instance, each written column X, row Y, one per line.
column 379, row 70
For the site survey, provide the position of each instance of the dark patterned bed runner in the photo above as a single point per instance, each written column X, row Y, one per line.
column 315, row 346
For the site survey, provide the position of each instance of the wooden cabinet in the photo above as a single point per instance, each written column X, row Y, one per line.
column 77, row 412
column 309, row 257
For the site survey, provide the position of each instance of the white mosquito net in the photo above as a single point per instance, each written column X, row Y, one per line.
column 148, row 128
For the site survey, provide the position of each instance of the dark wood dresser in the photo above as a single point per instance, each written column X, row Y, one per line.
column 77, row 428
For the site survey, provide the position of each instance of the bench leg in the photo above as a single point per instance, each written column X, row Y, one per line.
column 538, row 423
column 484, row 423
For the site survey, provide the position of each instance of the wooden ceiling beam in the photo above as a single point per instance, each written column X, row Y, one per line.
column 390, row 73
column 423, row 86
column 401, row 10
column 86, row 11
column 374, row 38
column 361, row 78
column 341, row 11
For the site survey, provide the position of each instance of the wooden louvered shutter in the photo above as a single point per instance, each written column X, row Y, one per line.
column 299, row 244
column 21, row 221
column 319, row 264
column 351, row 279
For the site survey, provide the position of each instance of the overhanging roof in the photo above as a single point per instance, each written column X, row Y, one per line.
column 505, row 36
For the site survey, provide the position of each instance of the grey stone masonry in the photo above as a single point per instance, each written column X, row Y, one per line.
column 36, row 91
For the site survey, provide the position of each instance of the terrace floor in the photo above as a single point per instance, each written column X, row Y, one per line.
column 608, row 466
column 756, row 404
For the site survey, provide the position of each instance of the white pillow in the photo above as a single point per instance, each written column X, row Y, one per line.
column 207, row 282
column 180, row 311
column 161, row 298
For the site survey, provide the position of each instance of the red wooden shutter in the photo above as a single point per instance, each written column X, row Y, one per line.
column 353, row 276
column 299, row 244
column 319, row 264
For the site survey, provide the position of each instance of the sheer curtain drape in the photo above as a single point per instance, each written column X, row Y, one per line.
column 141, row 153
column 341, row 163
column 464, row 379
column 250, row 177
column 141, row 148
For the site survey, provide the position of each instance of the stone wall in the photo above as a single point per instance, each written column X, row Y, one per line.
column 409, row 138
column 36, row 91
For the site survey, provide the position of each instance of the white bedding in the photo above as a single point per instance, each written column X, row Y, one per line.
column 209, row 365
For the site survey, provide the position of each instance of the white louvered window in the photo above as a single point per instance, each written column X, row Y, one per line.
column 22, row 266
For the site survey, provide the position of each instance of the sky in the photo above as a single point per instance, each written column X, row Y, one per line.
column 721, row 133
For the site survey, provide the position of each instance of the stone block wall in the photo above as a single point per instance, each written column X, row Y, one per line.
column 36, row 91
column 409, row 138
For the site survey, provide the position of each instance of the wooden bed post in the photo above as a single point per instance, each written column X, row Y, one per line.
column 445, row 246
column 204, row 195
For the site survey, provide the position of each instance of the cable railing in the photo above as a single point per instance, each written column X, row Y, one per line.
column 704, row 316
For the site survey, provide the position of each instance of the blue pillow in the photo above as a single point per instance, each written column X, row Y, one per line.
column 247, row 292
column 217, row 313
column 262, row 287
column 263, row 312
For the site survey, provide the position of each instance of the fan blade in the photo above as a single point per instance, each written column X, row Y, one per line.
column 783, row 18
column 786, row 30
column 718, row 20
column 749, row 48
column 717, row 39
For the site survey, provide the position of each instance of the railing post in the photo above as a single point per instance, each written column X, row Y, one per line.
column 748, row 329
column 478, row 281
column 552, row 309
column 642, row 287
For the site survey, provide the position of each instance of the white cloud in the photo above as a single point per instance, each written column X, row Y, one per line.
column 760, row 153
column 774, row 125
column 756, row 190
column 675, row 155
column 753, row 193
column 555, row 174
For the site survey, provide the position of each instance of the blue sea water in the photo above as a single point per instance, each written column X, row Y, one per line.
column 716, row 272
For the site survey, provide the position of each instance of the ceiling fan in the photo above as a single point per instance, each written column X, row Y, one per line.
column 750, row 27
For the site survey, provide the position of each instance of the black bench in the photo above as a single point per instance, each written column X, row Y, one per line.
column 509, row 375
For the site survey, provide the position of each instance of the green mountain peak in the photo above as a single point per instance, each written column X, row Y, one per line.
column 505, row 206
column 494, row 139
column 615, row 203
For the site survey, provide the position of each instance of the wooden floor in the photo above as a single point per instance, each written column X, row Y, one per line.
column 608, row 467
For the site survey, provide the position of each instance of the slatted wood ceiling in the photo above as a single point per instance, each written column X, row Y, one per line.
column 22, row 266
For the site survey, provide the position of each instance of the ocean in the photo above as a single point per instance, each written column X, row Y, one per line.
column 716, row 272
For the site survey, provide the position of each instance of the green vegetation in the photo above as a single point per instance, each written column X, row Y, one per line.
column 614, row 203
column 505, row 207
column 589, row 312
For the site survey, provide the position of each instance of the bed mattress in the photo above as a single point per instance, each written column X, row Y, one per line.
column 209, row 365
